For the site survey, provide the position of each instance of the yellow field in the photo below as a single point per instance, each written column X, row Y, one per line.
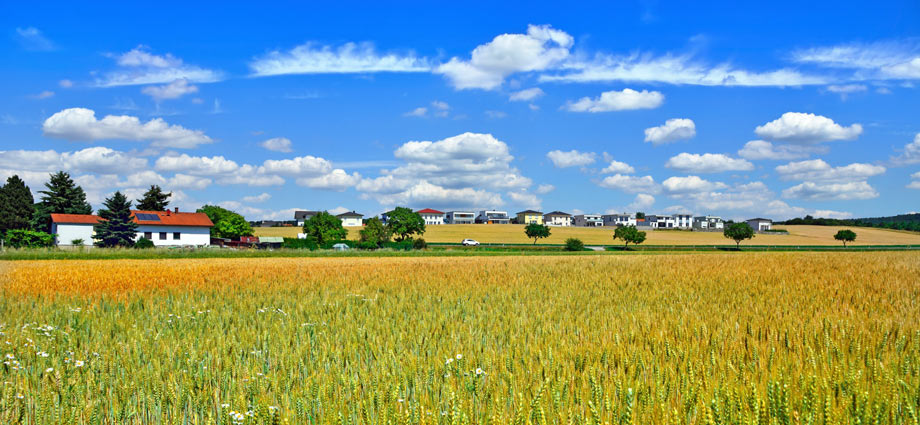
column 514, row 233
column 717, row 338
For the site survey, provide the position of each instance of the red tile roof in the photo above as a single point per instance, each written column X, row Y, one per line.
column 429, row 211
column 166, row 218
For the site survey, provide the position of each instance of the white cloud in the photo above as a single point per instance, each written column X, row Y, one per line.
column 301, row 166
column 440, row 108
column 673, row 130
column 910, row 154
column 806, row 128
column 185, row 181
column 141, row 67
column 541, row 48
column 571, row 158
column 643, row 201
column 31, row 38
column 96, row 159
column 761, row 149
column 421, row 111
column 65, row 83
column 855, row 190
column 617, row 167
column 425, row 193
column 526, row 95
column 81, row 124
column 690, row 184
column 337, row 180
column 627, row 99
column 196, row 165
column 630, row 184
column 350, row 58
column 915, row 184
column 44, row 95
column 819, row 170
column 880, row 60
column 707, row 163
column 173, row 90
column 277, row 144
column 846, row 89
column 496, row 114
column 262, row 197
column 545, row 188
column 525, row 199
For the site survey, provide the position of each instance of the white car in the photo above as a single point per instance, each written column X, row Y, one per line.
column 469, row 242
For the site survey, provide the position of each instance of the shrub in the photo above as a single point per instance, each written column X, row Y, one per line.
column 20, row 238
column 399, row 246
column 143, row 243
column 77, row 241
column 574, row 244
column 296, row 243
column 419, row 244
column 367, row 245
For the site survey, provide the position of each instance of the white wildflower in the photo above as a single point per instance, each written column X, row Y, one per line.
column 49, row 370
column 78, row 363
column 479, row 371
column 459, row 356
column 41, row 354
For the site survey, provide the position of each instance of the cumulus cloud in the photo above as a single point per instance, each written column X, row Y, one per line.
column 915, row 184
column 336, row 179
column 630, row 184
column 141, row 67
column 421, row 111
column 90, row 160
column 854, row 190
column 627, row 99
column 526, row 199
column 761, row 149
column 545, row 188
column 277, row 144
column 819, row 170
column 350, row 58
column 173, row 90
column 806, row 128
column 31, row 38
column 707, row 163
column 301, row 166
column 81, row 124
column 689, row 184
column 643, row 201
column 540, row 48
column 910, row 153
column 526, row 95
column 673, row 130
column 617, row 167
column 572, row 158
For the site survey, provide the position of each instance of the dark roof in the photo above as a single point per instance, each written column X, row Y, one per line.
column 429, row 211
column 530, row 212
column 147, row 218
column 350, row 214
column 303, row 214
column 759, row 219
column 559, row 213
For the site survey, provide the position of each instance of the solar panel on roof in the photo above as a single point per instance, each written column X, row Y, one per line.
column 147, row 217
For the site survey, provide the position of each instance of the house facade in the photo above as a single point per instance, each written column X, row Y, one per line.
column 163, row 228
column 351, row 219
column 432, row 217
column 708, row 222
column 529, row 217
column 302, row 216
column 73, row 227
column 760, row 224
column 459, row 217
column 557, row 218
column 589, row 220
column 683, row 221
column 618, row 219
column 493, row 217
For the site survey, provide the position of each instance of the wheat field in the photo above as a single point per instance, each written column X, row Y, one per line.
column 718, row 338
column 514, row 233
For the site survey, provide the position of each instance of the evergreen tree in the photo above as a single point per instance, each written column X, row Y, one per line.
column 154, row 199
column 116, row 226
column 62, row 197
column 16, row 205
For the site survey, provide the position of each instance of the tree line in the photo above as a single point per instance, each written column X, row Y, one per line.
column 897, row 222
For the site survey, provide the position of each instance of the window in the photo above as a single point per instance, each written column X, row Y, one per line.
column 162, row 236
column 148, row 235
column 176, row 236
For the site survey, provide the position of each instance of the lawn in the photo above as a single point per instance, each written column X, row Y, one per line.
column 720, row 338
column 514, row 233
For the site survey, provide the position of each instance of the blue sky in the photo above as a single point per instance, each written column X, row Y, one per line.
column 802, row 108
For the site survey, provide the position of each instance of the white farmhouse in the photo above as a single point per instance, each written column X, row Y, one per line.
column 431, row 217
column 351, row 219
column 163, row 228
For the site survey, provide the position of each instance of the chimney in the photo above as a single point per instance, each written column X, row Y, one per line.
column 177, row 210
column 167, row 211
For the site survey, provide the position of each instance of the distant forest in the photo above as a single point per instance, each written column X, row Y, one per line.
column 898, row 222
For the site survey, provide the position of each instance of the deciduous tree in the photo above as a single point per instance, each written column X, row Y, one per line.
column 375, row 232
column 324, row 227
column 845, row 236
column 738, row 232
column 227, row 224
column 629, row 234
column 536, row 231
column 403, row 223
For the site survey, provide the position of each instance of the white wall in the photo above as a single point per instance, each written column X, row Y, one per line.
column 67, row 232
column 433, row 219
column 189, row 235
column 351, row 221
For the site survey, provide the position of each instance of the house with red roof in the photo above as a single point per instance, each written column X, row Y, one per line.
column 431, row 217
column 164, row 228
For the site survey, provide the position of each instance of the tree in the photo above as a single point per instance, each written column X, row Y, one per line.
column 154, row 199
column 324, row 227
column 16, row 205
column 22, row 238
column 536, row 231
column 574, row 244
column 845, row 236
column 402, row 222
column 116, row 227
column 738, row 232
column 640, row 215
column 375, row 232
column 227, row 224
column 62, row 197
column 629, row 234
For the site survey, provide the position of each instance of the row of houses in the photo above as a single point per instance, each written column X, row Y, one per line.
column 434, row 217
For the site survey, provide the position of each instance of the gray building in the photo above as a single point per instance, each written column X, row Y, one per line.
column 459, row 217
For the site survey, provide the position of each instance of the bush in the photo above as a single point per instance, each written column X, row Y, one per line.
column 399, row 246
column 29, row 239
column 419, row 244
column 574, row 244
column 296, row 243
column 77, row 241
column 367, row 245
column 143, row 243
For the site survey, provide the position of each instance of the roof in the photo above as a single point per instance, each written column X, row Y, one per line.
column 74, row 218
column 350, row 214
column 429, row 211
column 303, row 214
column 530, row 212
column 760, row 219
column 559, row 213
column 271, row 239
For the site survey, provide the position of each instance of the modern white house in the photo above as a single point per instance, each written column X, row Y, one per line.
column 557, row 218
column 619, row 219
column 589, row 220
column 760, row 224
column 432, row 217
column 302, row 216
column 683, row 221
column 661, row 221
column 708, row 222
column 493, row 217
column 459, row 217
column 163, row 228
column 351, row 219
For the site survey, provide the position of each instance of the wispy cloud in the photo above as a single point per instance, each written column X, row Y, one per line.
column 350, row 58
column 141, row 67
column 31, row 38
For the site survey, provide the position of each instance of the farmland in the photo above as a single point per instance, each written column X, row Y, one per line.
column 721, row 338
column 514, row 233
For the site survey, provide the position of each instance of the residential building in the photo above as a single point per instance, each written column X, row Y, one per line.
column 557, row 218
column 431, row 217
column 460, row 217
column 164, row 228
column 589, row 220
column 683, row 221
column 618, row 219
column 760, row 224
column 493, row 217
column 708, row 222
column 529, row 217
column 302, row 216
column 661, row 221
column 351, row 219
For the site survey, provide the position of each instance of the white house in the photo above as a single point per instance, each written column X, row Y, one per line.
column 557, row 218
column 589, row 220
column 708, row 222
column 661, row 221
column 460, row 217
column 351, row 219
column 163, row 228
column 683, row 221
column 760, row 224
column 493, row 217
column 431, row 217
column 619, row 219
